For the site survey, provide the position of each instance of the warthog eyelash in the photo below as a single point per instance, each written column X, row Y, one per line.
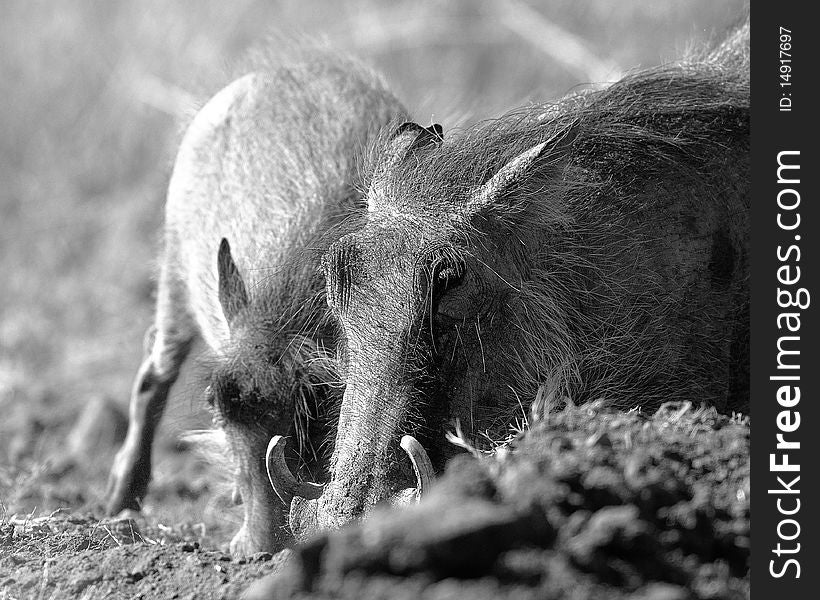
column 445, row 266
column 449, row 273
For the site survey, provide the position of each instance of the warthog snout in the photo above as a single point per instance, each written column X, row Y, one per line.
column 303, row 497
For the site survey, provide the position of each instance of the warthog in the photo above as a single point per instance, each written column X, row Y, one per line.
column 592, row 249
column 264, row 172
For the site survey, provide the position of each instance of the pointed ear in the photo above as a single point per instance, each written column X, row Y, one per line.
column 507, row 177
column 232, row 294
column 520, row 168
column 409, row 137
column 412, row 136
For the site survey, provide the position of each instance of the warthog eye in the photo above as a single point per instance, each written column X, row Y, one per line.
column 447, row 275
column 210, row 396
column 450, row 276
column 231, row 401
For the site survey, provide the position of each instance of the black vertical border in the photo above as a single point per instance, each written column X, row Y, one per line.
column 773, row 131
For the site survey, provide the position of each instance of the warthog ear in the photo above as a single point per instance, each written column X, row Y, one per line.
column 412, row 136
column 409, row 137
column 517, row 170
column 232, row 294
column 507, row 177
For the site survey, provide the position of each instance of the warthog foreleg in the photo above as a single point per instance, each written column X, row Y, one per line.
column 167, row 344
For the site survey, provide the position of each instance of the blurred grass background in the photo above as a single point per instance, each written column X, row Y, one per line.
column 93, row 92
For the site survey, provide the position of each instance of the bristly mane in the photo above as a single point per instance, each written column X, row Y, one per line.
column 668, row 113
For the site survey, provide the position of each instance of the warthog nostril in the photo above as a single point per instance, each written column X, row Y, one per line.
column 281, row 479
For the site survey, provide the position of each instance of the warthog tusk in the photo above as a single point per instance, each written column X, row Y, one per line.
column 421, row 464
column 281, row 479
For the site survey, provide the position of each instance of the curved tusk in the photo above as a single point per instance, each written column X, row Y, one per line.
column 421, row 464
column 282, row 481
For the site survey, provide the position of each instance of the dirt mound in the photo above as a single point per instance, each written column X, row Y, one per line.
column 592, row 503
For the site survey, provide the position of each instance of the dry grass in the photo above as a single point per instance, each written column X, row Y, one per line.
column 92, row 97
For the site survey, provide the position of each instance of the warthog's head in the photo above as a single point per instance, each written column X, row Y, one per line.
column 427, row 293
column 268, row 383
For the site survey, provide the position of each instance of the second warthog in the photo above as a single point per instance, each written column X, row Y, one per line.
column 593, row 249
column 264, row 172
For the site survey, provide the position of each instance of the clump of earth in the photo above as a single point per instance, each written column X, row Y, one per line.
column 592, row 502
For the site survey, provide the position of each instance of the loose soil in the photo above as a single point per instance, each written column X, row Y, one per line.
column 591, row 503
